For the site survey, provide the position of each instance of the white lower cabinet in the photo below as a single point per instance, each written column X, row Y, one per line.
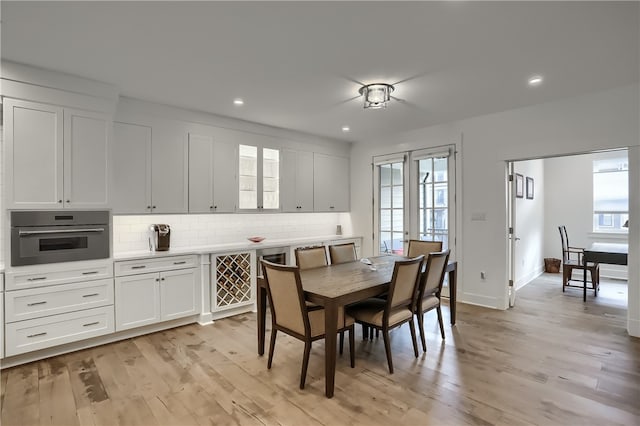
column 41, row 333
column 50, row 307
column 148, row 298
column 1, row 316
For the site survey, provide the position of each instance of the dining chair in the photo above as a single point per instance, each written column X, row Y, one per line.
column 429, row 291
column 396, row 310
column 311, row 257
column 572, row 259
column 418, row 247
column 290, row 314
column 342, row 253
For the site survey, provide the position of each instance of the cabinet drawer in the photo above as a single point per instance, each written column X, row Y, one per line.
column 41, row 333
column 40, row 277
column 131, row 267
column 42, row 301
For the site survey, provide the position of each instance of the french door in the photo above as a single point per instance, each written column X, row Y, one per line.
column 414, row 198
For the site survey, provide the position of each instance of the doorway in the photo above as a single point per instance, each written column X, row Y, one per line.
column 587, row 193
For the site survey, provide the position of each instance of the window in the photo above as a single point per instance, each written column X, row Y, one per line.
column 611, row 194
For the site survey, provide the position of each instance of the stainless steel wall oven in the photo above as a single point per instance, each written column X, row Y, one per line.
column 39, row 237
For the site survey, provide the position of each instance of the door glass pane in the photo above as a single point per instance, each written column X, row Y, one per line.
column 391, row 208
column 270, row 178
column 434, row 199
column 385, row 197
column 248, row 177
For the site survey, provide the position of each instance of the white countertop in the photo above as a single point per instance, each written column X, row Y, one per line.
column 216, row 248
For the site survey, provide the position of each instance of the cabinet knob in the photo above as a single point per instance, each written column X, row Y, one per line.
column 60, row 201
column 148, row 207
column 157, row 279
column 162, row 279
column 210, row 207
column 215, row 207
column 68, row 201
column 155, row 207
column 331, row 207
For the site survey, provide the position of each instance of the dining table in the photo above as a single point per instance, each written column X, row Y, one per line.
column 610, row 253
column 338, row 285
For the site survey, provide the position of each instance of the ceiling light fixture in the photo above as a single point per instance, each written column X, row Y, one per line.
column 376, row 95
column 238, row 101
column 536, row 80
column 346, row 128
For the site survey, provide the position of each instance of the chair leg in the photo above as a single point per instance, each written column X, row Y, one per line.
column 421, row 329
column 377, row 333
column 272, row 345
column 412, row 327
column 352, row 344
column 439, row 311
column 341, row 342
column 370, row 333
column 365, row 332
column 387, row 348
column 564, row 277
column 305, row 363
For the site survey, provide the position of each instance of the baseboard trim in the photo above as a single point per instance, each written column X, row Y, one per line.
column 480, row 300
column 633, row 327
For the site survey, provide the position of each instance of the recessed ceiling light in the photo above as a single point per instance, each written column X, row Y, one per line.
column 238, row 101
column 535, row 80
column 346, row 128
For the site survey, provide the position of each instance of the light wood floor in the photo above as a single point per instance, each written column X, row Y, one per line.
column 550, row 360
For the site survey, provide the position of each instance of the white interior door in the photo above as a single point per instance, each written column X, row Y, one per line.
column 514, row 186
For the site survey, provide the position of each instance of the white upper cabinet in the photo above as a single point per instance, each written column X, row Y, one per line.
column 211, row 175
column 296, row 185
column 330, row 183
column 149, row 175
column 86, row 159
column 258, row 177
column 131, row 168
column 55, row 157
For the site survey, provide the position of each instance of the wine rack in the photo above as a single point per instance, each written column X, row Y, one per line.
column 232, row 279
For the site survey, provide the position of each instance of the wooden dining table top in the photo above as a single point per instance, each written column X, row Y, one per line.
column 335, row 281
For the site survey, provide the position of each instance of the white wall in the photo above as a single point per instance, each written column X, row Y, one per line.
column 530, row 224
column 591, row 122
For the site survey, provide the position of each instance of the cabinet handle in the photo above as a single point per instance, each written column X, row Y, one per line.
column 60, row 201
column 210, row 207
column 215, row 207
column 90, row 295
column 90, row 273
column 68, row 201
column 153, row 207
column 91, row 323
column 139, row 267
column 162, row 279
column 180, row 263
column 331, row 207
column 36, row 335
column 36, row 303
column 37, row 279
column 148, row 207
column 157, row 279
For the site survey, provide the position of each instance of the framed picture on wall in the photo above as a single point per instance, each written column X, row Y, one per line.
column 519, row 186
column 529, row 188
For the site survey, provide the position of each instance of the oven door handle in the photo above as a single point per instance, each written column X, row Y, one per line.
column 59, row 231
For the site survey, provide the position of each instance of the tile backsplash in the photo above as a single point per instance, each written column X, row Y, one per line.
column 130, row 233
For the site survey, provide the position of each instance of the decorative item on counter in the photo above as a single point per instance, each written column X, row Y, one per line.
column 338, row 229
column 256, row 239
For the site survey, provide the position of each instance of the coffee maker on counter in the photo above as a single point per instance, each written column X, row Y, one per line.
column 159, row 237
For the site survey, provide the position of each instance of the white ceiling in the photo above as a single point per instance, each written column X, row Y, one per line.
column 295, row 63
